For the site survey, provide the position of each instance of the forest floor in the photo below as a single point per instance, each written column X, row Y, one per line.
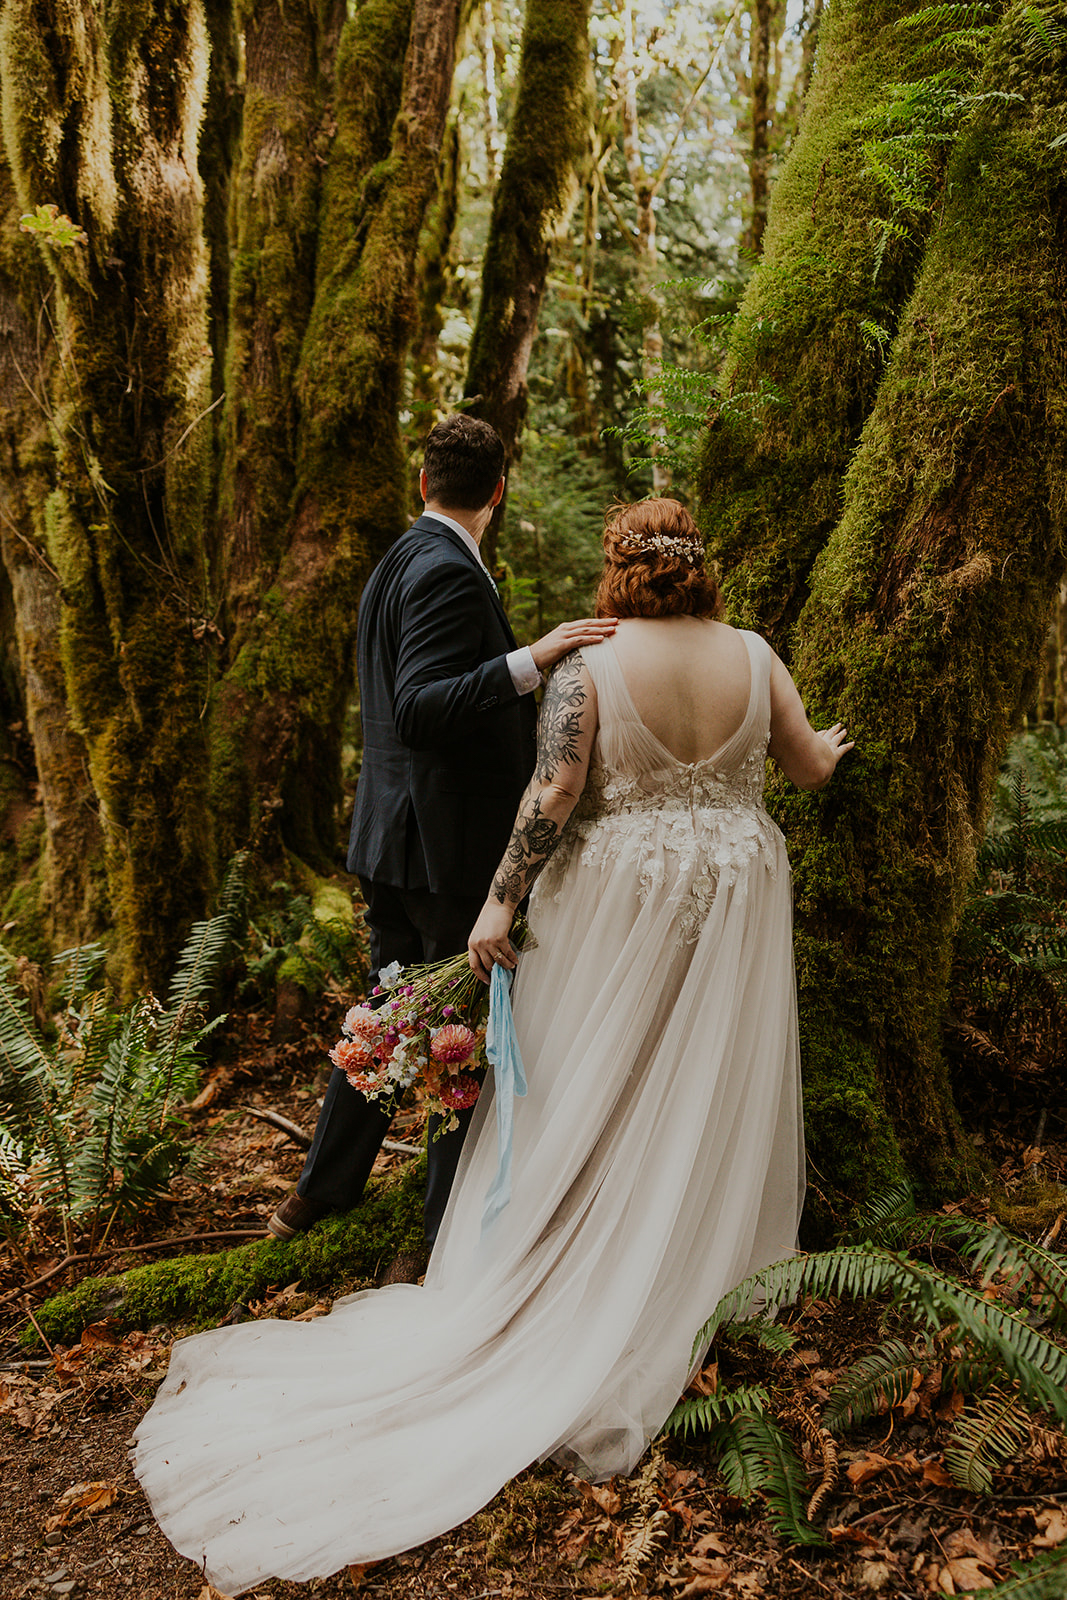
column 73, row 1519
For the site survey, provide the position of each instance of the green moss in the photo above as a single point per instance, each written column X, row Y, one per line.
column 926, row 617
column 802, row 375
column 201, row 1290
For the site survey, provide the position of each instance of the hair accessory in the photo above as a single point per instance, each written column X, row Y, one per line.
column 678, row 544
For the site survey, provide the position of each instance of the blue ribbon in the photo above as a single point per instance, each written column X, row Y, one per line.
column 502, row 1049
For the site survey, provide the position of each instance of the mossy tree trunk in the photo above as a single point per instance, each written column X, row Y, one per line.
column 70, row 902
column 290, row 56
column 925, row 622
column 538, row 186
column 102, row 109
column 806, row 356
column 284, row 694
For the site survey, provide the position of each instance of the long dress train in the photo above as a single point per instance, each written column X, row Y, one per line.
column 657, row 1160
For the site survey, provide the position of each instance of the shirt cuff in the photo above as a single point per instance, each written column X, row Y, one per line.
column 524, row 675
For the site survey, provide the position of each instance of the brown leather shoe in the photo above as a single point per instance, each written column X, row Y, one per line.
column 294, row 1216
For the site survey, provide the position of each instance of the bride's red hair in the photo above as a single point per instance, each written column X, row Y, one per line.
column 654, row 564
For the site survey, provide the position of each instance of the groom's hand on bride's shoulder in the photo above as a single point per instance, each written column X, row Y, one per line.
column 570, row 636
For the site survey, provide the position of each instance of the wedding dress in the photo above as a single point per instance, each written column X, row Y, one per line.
column 657, row 1161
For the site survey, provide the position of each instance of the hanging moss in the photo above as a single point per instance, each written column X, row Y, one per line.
column 547, row 138
column 198, row 1291
column 805, row 358
column 924, row 626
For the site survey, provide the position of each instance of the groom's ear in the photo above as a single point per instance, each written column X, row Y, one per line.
column 497, row 492
column 424, row 484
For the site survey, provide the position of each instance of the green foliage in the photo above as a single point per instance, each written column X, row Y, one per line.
column 91, row 1123
column 1043, row 1579
column 991, row 1339
column 300, row 940
column 1010, row 976
column 49, row 223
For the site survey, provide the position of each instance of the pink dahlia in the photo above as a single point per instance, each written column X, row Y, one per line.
column 363, row 1023
column 460, row 1092
column 453, row 1044
column 352, row 1055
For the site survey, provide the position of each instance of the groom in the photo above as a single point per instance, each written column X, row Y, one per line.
column 446, row 701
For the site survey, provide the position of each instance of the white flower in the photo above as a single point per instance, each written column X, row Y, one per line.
column 389, row 976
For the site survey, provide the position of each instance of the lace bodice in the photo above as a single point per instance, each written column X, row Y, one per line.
column 679, row 824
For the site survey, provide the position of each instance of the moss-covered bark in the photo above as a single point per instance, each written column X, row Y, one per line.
column 534, row 198
column 805, row 359
column 294, row 668
column 102, row 109
column 925, row 622
column 289, row 53
column 197, row 1289
column 73, row 867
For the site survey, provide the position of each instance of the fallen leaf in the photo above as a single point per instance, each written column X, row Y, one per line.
column 965, row 1542
column 100, row 1335
column 608, row 1499
column 867, row 1466
column 209, row 1592
column 708, row 1581
column 875, row 1575
column 709, row 1542
column 935, row 1473
column 843, row 1534
column 357, row 1573
column 80, row 1501
column 1053, row 1523
column 967, row 1573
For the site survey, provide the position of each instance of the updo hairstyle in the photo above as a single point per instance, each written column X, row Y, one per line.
column 654, row 564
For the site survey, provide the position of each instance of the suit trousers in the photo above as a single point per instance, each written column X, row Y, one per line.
column 406, row 925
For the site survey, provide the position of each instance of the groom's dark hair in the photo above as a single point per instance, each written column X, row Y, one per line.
column 464, row 462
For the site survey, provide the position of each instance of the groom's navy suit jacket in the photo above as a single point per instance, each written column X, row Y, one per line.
column 448, row 743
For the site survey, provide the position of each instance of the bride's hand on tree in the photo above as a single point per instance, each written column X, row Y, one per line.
column 489, row 943
column 837, row 739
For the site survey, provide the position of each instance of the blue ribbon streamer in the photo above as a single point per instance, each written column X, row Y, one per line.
column 502, row 1049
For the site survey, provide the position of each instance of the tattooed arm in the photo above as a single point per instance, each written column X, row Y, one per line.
column 565, row 735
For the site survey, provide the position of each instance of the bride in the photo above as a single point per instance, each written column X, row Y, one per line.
column 657, row 1157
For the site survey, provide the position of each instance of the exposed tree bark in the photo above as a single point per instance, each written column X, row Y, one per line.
column 533, row 203
column 805, row 360
column 435, row 271
column 764, row 13
column 102, row 110
column 288, row 684
column 1052, row 695
column 924, row 627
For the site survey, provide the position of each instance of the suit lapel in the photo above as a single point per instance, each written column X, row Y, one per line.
column 430, row 524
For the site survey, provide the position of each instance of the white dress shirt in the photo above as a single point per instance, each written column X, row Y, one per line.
column 524, row 674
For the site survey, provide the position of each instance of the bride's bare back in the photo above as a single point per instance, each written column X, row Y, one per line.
column 688, row 677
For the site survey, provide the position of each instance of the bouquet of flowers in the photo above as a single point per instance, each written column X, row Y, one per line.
column 429, row 1024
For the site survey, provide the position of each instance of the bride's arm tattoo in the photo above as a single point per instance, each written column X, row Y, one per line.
column 532, row 841
column 560, row 724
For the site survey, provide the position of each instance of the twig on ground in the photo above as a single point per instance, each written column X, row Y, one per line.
column 276, row 1120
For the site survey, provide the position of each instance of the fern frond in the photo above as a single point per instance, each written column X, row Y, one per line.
column 85, row 962
column 888, row 1374
column 985, row 1436
column 772, row 1336
column 700, row 1413
column 755, row 1456
column 1043, row 1579
column 933, row 1298
column 209, row 942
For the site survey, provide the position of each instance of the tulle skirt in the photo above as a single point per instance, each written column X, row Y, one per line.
column 657, row 1161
